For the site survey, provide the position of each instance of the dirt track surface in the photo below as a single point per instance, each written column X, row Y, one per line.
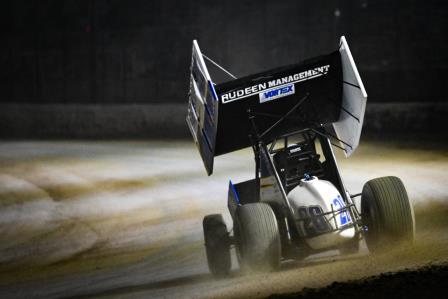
column 426, row 282
column 123, row 219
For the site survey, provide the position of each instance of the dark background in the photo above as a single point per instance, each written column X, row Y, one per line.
column 72, row 54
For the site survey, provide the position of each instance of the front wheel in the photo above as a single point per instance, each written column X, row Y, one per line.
column 387, row 214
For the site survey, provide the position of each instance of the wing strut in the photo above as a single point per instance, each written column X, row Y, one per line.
column 220, row 67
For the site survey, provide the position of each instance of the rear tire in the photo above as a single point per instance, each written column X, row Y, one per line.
column 258, row 238
column 387, row 214
column 217, row 245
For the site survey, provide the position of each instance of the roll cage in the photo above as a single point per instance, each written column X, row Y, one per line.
column 291, row 157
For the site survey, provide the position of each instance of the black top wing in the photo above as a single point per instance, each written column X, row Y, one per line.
column 320, row 91
column 312, row 88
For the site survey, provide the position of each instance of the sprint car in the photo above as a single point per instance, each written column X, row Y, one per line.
column 293, row 117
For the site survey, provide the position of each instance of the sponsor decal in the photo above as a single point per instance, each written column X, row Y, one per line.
column 275, row 93
column 274, row 84
column 344, row 215
column 294, row 150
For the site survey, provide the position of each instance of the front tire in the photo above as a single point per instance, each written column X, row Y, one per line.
column 217, row 245
column 258, row 238
column 387, row 214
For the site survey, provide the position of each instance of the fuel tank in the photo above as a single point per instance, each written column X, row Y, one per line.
column 319, row 212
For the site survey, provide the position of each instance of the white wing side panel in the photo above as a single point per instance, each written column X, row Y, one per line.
column 354, row 99
column 202, row 113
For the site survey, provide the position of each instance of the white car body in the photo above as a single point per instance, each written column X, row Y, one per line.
column 322, row 193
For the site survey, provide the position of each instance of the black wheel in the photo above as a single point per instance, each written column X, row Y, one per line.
column 387, row 214
column 258, row 238
column 217, row 244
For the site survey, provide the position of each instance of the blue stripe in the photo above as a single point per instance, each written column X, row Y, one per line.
column 234, row 192
column 210, row 84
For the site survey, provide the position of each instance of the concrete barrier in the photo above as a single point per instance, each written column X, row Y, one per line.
column 66, row 121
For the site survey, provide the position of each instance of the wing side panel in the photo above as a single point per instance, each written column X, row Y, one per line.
column 354, row 99
column 202, row 115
